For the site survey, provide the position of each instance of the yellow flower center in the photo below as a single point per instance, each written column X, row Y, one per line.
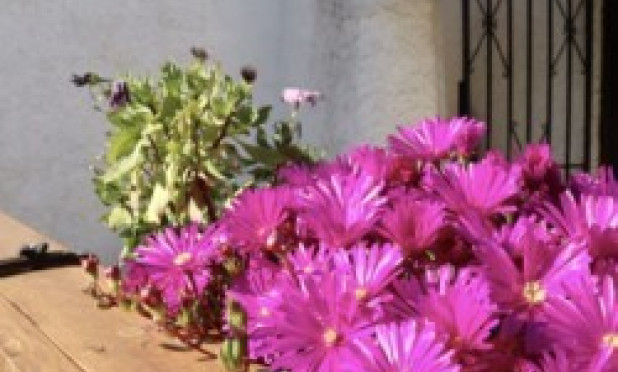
column 534, row 293
column 264, row 311
column 182, row 258
column 361, row 293
column 611, row 340
column 330, row 337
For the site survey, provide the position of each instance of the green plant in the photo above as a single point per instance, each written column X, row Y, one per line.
column 181, row 145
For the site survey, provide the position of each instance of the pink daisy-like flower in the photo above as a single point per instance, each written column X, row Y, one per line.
column 316, row 326
column 539, row 170
column 373, row 161
column 307, row 260
column 371, row 269
column 483, row 188
column 404, row 347
column 255, row 215
column 413, row 224
column 458, row 304
column 585, row 322
column 601, row 183
column 470, row 134
column 530, row 269
column 341, row 209
column 176, row 261
column 594, row 219
column 436, row 139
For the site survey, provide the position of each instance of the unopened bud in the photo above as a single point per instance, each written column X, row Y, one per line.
column 249, row 74
column 90, row 264
column 113, row 273
column 199, row 53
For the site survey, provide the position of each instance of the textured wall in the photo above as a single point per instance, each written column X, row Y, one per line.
column 374, row 60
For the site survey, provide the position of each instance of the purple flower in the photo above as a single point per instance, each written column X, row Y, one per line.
column 539, row 170
column 529, row 269
column 255, row 216
column 594, row 219
column 316, row 327
column 601, row 183
column 405, row 347
column 413, row 224
column 458, row 304
column 119, row 95
column 585, row 322
column 436, row 139
column 340, row 210
column 483, row 188
column 176, row 262
column 371, row 269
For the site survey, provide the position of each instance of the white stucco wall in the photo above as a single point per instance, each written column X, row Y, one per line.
column 374, row 60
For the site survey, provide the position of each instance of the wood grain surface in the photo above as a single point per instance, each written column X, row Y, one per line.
column 47, row 323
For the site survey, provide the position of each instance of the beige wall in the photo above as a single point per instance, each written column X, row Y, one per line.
column 374, row 60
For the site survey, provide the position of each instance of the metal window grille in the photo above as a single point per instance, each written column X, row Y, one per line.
column 527, row 71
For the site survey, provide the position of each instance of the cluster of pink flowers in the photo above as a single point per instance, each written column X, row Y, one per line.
column 423, row 256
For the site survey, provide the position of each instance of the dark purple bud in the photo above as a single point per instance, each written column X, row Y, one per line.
column 90, row 264
column 119, row 95
column 249, row 74
column 199, row 53
column 113, row 273
column 151, row 296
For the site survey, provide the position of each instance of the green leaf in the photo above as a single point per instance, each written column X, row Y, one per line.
column 122, row 143
column 119, row 217
column 264, row 155
column 124, row 166
column 158, row 204
column 262, row 115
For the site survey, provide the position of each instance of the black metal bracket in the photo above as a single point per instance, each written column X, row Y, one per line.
column 37, row 257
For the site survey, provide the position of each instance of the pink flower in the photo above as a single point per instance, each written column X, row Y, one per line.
column 483, row 188
column 531, row 269
column 413, row 224
column 405, row 347
column 176, row 262
column 296, row 96
column 437, row 139
column 601, row 183
column 458, row 304
column 594, row 219
column 340, row 210
column 585, row 322
column 316, row 326
column 255, row 216
column 371, row 269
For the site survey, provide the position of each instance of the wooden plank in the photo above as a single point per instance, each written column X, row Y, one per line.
column 24, row 348
column 94, row 339
column 97, row 340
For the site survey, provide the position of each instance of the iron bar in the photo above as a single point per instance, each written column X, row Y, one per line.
column 488, row 19
column 509, row 76
column 550, row 69
column 568, row 29
column 529, row 73
column 588, row 83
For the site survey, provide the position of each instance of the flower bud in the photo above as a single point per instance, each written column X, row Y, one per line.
column 113, row 273
column 90, row 264
column 151, row 296
column 249, row 74
column 199, row 53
